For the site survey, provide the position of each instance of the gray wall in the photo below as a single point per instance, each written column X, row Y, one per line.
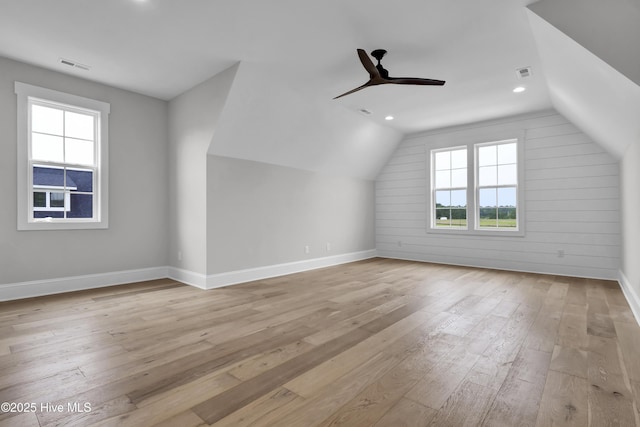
column 230, row 214
column 193, row 120
column 261, row 214
column 571, row 201
column 138, row 183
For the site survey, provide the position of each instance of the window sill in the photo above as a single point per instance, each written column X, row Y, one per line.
column 67, row 225
column 474, row 232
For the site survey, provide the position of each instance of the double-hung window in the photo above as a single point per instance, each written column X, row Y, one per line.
column 449, row 193
column 475, row 188
column 62, row 160
column 497, row 185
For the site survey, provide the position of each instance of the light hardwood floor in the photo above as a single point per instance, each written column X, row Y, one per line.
column 373, row 343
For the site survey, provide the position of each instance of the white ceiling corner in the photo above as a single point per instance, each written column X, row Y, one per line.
column 597, row 98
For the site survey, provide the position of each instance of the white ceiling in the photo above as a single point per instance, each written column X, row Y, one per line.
column 595, row 96
column 162, row 48
column 609, row 29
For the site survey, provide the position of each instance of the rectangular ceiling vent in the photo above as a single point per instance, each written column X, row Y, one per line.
column 74, row 64
column 523, row 72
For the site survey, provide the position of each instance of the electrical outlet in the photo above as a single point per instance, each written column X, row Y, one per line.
column 307, row 249
column 328, row 247
column 560, row 253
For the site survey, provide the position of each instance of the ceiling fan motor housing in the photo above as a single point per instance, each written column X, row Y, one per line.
column 379, row 54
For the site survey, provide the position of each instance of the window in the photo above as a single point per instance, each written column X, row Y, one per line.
column 497, row 185
column 62, row 160
column 450, row 188
column 484, row 201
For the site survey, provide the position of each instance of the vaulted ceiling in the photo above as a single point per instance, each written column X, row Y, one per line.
column 304, row 53
column 164, row 47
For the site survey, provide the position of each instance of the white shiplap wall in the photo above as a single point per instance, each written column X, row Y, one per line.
column 571, row 202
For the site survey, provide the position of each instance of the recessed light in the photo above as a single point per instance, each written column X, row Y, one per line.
column 389, row 118
column 519, row 89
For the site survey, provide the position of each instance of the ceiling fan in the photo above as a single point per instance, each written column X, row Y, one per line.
column 378, row 75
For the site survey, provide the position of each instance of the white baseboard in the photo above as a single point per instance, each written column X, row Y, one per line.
column 14, row 291
column 630, row 294
column 248, row 275
column 192, row 278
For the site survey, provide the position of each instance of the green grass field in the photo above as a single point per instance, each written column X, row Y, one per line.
column 484, row 222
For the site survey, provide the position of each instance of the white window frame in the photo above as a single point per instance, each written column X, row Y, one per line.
column 26, row 94
column 477, row 187
column 433, row 217
column 471, row 144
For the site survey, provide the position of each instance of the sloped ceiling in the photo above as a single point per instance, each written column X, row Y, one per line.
column 296, row 56
column 164, row 47
column 273, row 123
column 591, row 93
column 609, row 29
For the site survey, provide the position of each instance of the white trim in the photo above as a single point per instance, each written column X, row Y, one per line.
column 630, row 294
column 14, row 291
column 488, row 267
column 192, row 278
column 471, row 143
column 26, row 94
column 248, row 275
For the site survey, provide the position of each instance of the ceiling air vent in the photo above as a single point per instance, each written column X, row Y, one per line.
column 74, row 64
column 523, row 72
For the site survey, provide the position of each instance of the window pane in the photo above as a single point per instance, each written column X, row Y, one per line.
column 459, row 159
column 78, row 151
column 79, row 125
column 459, row 199
column 458, row 217
column 487, row 155
column 507, row 207
column 443, row 179
column 507, row 217
column 50, row 177
column 507, row 197
column 507, row 153
column 39, row 199
column 81, row 206
column 507, row 175
column 487, row 197
column 80, row 180
column 458, row 178
column 46, row 147
column 56, row 200
column 489, row 220
column 443, row 160
column 46, row 120
column 487, row 176
column 442, row 218
column 48, row 214
column 488, row 210
column 443, row 198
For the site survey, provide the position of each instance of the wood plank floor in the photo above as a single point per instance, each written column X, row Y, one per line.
column 374, row 343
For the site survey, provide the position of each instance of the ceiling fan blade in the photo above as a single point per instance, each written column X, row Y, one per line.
column 367, row 63
column 354, row 90
column 415, row 81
